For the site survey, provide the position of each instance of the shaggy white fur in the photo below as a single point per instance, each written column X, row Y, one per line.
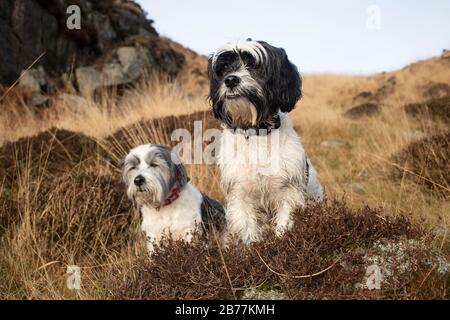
column 170, row 205
column 178, row 220
column 265, row 178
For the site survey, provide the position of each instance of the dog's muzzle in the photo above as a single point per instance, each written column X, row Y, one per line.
column 139, row 181
column 232, row 81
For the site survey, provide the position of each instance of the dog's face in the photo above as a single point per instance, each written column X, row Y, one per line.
column 250, row 81
column 150, row 172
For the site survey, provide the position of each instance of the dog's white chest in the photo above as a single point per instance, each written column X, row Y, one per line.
column 261, row 162
column 178, row 220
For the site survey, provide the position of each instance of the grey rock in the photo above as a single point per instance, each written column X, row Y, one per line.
column 112, row 74
column 51, row 86
column 88, row 79
column 442, row 265
column 134, row 60
column 67, row 83
column 104, row 30
column 29, row 82
column 144, row 32
column 29, row 28
column 33, row 79
column 129, row 21
column 255, row 294
column 392, row 259
column 38, row 100
column 129, row 64
column 127, row 56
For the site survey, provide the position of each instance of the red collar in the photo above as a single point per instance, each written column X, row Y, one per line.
column 173, row 195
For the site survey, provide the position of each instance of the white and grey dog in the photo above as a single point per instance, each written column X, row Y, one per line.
column 253, row 86
column 170, row 205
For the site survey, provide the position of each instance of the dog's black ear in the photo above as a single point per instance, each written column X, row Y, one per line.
column 213, row 87
column 210, row 70
column 290, row 83
column 285, row 83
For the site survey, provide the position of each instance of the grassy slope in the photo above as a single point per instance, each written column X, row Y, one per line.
column 35, row 267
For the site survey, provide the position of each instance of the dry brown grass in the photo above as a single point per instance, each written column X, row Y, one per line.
column 57, row 209
column 99, row 117
column 60, row 203
column 360, row 166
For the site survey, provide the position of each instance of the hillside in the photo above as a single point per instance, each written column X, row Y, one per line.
column 380, row 144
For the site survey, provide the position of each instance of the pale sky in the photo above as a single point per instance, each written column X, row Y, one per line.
column 348, row 36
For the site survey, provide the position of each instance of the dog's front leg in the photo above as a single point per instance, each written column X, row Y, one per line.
column 292, row 200
column 242, row 220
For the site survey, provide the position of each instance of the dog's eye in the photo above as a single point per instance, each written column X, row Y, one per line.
column 222, row 68
column 248, row 59
column 224, row 61
column 153, row 165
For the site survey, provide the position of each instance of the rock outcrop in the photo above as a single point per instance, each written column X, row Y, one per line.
column 116, row 44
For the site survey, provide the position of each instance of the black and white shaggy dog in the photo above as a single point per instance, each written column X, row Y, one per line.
column 265, row 173
column 170, row 205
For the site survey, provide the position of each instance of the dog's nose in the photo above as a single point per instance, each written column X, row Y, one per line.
column 232, row 81
column 139, row 181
